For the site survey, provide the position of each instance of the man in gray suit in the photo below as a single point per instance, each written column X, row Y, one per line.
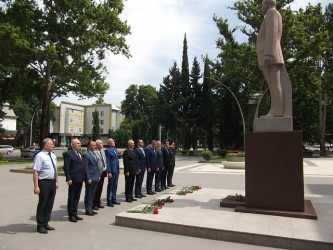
column 271, row 61
column 100, row 153
column 90, row 165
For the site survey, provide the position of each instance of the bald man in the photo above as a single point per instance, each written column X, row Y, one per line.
column 130, row 170
column 74, row 177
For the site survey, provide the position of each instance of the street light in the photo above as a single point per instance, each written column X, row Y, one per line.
column 240, row 109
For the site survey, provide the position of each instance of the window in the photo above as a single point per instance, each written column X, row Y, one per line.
column 71, row 129
column 71, row 120
column 102, row 122
column 101, row 131
column 80, row 120
column 80, row 130
column 102, row 113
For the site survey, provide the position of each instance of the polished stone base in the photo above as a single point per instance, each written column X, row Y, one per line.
column 309, row 212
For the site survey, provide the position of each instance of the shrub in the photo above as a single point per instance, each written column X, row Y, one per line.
column 1, row 156
column 222, row 152
column 239, row 154
column 207, row 155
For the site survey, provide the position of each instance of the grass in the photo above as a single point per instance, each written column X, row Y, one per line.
column 21, row 161
column 217, row 159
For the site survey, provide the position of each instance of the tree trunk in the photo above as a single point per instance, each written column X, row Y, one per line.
column 45, row 119
column 322, row 122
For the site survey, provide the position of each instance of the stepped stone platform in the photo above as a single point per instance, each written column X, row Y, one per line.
column 199, row 214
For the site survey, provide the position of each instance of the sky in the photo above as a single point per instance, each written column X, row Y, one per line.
column 156, row 41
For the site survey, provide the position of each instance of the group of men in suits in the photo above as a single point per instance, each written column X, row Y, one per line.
column 158, row 161
column 91, row 168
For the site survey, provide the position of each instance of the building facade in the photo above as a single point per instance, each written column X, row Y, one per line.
column 8, row 123
column 76, row 121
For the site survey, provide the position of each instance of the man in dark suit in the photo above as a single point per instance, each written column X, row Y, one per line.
column 130, row 170
column 151, row 166
column 166, row 163
column 141, row 160
column 99, row 152
column 74, row 172
column 159, row 169
column 91, row 171
column 112, row 169
column 172, row 164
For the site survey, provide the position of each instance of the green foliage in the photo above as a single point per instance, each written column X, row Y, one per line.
column 96, row 133
column 222, row 152
column 1, row 156
column 239, row 197
column 206, row 155
column 238, row 154
column 186, row 190
column 152, row 207
column 58, row 47
column 140, row 108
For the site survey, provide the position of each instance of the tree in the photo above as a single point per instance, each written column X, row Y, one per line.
column 185, row 89
column 96, row 128
column 66, row 41
column 140, row 107
column 171, row 101
column 208, row 111
column 194, row 102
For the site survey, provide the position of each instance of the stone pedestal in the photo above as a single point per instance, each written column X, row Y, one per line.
column 273, row 124
column 274, row 170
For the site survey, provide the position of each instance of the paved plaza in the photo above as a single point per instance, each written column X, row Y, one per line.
column 18, row 226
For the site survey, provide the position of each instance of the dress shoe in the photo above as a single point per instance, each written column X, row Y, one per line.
column 41, row 229
column 158, row 190
column 165, row 187
column 89, row 213
column 150, row 193
column 78, row 217
column 110, row 205
column 133, row 199
column 116, row 203
column 95, row 208
column 72, row 219
column 153, row 192
column 48, row 227
column 138, row 196
column 171, row 185
column 142, row 195
column 128, row 200
column 100, row 206
column 162, row 189
column 94, row 212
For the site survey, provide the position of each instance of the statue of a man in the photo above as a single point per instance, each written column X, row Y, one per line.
column 271, row 61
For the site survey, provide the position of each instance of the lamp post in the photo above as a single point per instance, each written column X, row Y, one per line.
column 240, row 109
column 32, row 119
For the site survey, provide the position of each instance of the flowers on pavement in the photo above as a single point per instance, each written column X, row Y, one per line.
column 185, row 190
column 153, row 207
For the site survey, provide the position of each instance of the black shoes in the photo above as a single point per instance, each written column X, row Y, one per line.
column 78, row 217
column 171, row 185
column 100, row 206
column 95, row 208
column 48, row 227
column 150, row 193
column 41, row 229
column 94, row 212
column 72, row 219
column 116, row 203
column 142, row 195
column 138, row 196
column 110, row 205
column 158, row 190
column 128, row 200
column 133, row 199
column 90, row 213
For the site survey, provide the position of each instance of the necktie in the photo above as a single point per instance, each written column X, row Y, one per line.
column 102, row 158
column 53, row 165
column 78, row 154
column 143, row 152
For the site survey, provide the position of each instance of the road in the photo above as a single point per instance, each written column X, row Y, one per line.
column 17, row 219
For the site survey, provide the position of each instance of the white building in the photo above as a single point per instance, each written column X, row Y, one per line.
column 76, row 121
column 8, row 122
